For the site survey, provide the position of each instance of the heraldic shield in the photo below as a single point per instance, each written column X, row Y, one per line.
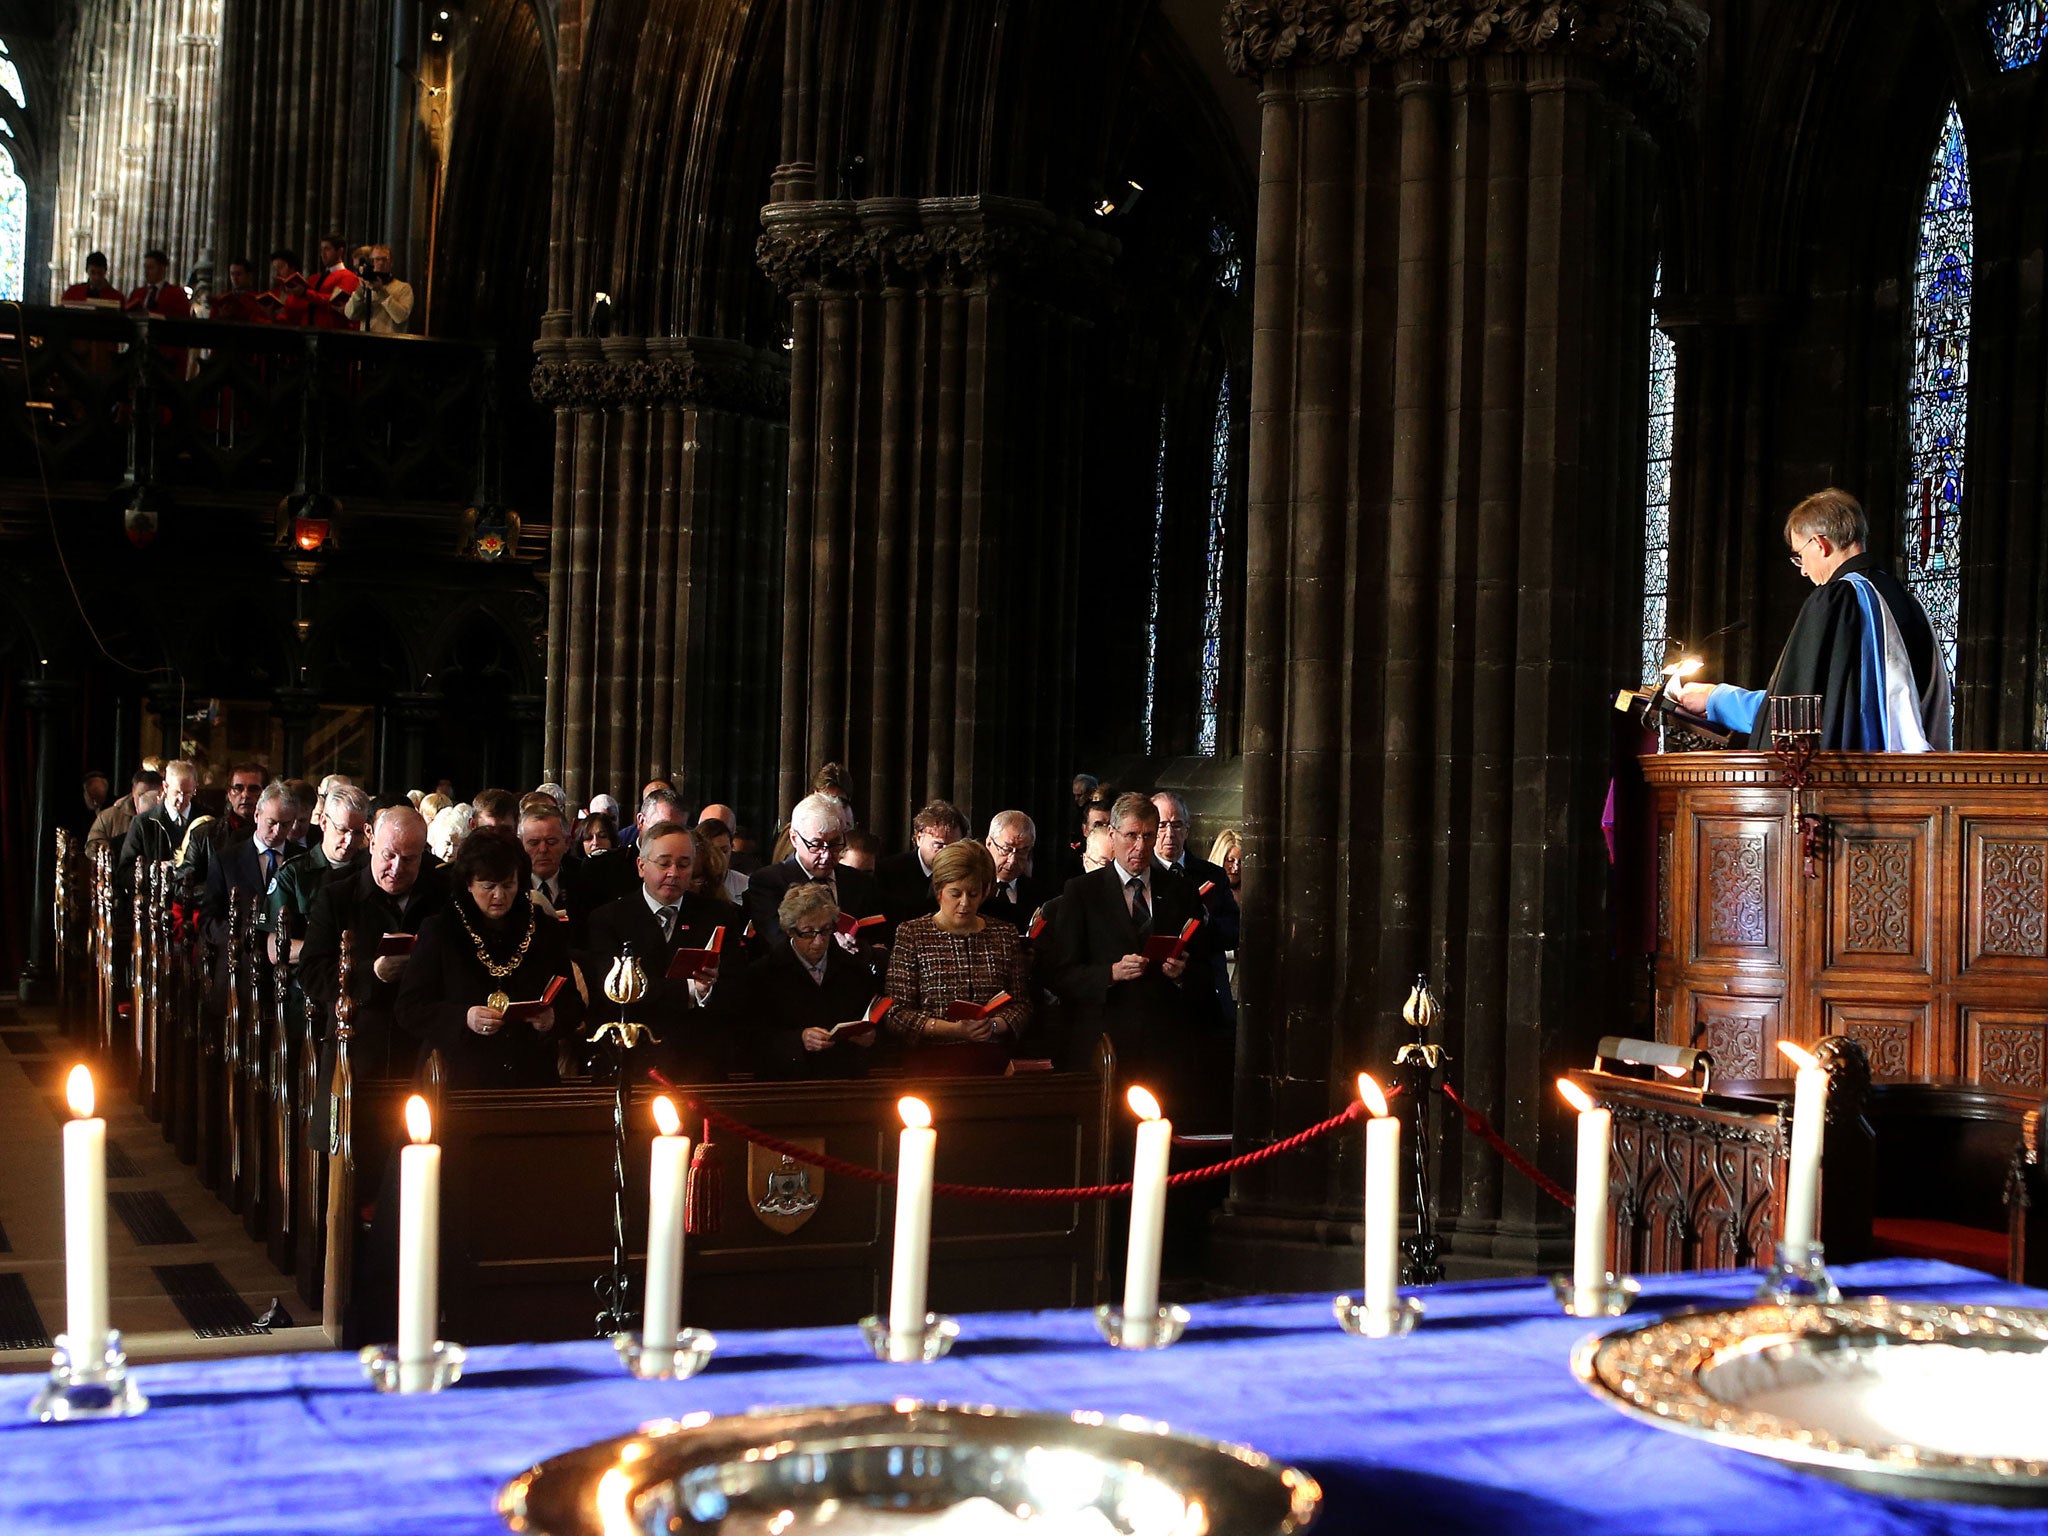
column 784, row 1192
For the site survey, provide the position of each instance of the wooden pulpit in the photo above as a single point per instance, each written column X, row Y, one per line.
column 1918, row 925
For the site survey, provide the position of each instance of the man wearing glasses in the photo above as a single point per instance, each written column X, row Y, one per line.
column 817, row 837
column 1018, row 892
column 905, row 879
column 1862, row 643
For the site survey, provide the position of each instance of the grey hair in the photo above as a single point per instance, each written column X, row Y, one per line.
column 806, row 901
column 820, row 809
column 276, row 790
column 1002, row 821
column 1180, row 806
column 347, row 797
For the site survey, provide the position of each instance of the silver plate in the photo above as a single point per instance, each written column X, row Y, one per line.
column 1901, row 1398
column 935, row 1469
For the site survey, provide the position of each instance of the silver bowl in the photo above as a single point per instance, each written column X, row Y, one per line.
column 909, row 1467
column 1913, row 1399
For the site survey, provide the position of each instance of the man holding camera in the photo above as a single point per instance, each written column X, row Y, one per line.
column 382, row 300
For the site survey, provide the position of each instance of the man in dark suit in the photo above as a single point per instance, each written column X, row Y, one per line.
column 1094, row 814
column 157, row 835
column 1219, row 904
column 617, row 873
column 1017, row 893
column 210, row 835
column 690, row 1018
column 384, row 899
column 817, row 836
column 1094, row 958
column 246, row 866
column 556, row 883
column 1212, row 1012
column 905, row 879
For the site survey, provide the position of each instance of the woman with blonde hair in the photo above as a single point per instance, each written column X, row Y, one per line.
column 1228, row 851
column 958, row 956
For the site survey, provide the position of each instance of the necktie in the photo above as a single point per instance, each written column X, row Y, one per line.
column 269, row 865
column 668, row 921
column 1141, row 909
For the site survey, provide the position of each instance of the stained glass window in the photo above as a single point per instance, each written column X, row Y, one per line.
column 10, row 79
column 13, row 228
column 1938, row 393
column 2018, row 31
column 1229, row 265
column 1158, row 562
column 1657, row 494
column 1212, row 589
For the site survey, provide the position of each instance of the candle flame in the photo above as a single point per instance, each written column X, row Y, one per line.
column 1375, row 1098
column 915, row 1112
column 1798, row 1055
column 1574, row 1095
column 666, row 1117
column 1143, row 1105
column 419, row 1125
column 78, row 1091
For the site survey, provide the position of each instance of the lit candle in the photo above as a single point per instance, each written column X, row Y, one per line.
column 1382, row 1208
column 1809, row 1118
column 666, row 1183
column 85, row 1224
column 419, row 1250
column 1148, row 1218
column 1589, row 1205
column 914, row 1158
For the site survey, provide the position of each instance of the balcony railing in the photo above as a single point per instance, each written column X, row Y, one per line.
column 113, row 399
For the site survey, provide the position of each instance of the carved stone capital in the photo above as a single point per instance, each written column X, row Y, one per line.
column 924, row 243
column 630, row 372
column 1652, row 43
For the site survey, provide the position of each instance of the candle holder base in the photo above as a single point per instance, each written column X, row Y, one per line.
column 931, row 1344
column 1165, row 1327
column 1610, row 1298
column 388, row 1374
column 101, row 1389
column 1796, row 1277
column 1363, row 1322
column 687, row 1354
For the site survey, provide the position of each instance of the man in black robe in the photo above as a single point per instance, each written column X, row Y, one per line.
column 1862, row 642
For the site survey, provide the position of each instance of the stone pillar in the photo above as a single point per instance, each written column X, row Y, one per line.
column 1449, row 365
column 49, row 704
column 664, row 591
column 526, row 711
column 409, row 714
column 934, row 490
column 296, row 710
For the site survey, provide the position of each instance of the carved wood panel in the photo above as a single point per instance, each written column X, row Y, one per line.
column 1688, row 1193
column 1897, row 1036
column 1739, row 1031
column 1877, row 895
column 1667, row 854
column 1735, row 896
column 2005, row 925
column 2007, row 1048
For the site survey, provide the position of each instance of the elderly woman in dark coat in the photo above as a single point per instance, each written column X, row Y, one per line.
column 805, row 984
column 488, row 950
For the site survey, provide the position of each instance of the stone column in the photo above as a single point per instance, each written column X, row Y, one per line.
column 664, row 591
column 49, row 703
column 296, row 710
column 526, row 711
column 410, row 714
column 1449, row 365
column 929, row 551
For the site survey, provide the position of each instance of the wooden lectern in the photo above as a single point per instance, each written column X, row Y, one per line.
column 1922, row 930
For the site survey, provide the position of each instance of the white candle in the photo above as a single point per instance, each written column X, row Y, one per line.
column 1148, row 1218
column 85, row 1224
column 1589, row 1204
column 666, row 1183
column 914, row 1158
column 419, row 1250
column 1382, row 1208
column 1809, row 1119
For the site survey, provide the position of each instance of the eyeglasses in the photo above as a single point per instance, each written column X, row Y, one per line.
column 1798, row 555
column 1173, row 826
column 811, row 933
column 1138, row 835
column 1011, row 850
column 668, row 861
column 836, row 844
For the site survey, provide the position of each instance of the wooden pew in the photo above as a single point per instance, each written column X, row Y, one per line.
column 526, row 1202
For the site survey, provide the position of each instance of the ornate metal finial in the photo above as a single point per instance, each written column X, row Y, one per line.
column 1423, row 1013
column 624, row 1031
column 625, row 983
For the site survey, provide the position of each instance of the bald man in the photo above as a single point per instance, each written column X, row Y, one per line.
column 375, row 910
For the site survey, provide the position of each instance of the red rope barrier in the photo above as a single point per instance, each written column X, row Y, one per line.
column 1480, row 1126
column 866, row 1175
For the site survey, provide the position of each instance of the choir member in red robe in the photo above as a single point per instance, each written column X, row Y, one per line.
column 285, row 300
column 240, row 304
column 159, row 297
column 95, row 289
column 335, row 283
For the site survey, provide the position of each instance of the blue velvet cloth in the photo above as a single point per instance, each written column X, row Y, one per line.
column 1472, row 1424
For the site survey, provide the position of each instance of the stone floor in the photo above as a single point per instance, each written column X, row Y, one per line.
column 184, row 1279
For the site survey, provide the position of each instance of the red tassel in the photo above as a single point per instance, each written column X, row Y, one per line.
column 703, row 1205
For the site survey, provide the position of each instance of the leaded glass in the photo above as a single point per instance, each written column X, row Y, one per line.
column 1937, row 400
column 1657, row 494
column 1212, row 589
column 1158, row 563
column 13, row 228
column 1229, row 265
column 10, row 81
column 2018, row 30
